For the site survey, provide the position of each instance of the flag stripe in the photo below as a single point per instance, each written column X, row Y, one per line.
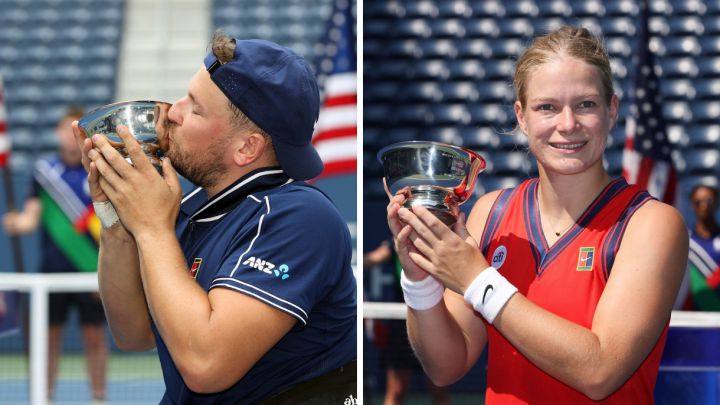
column 335, row 136
column 4, row 138
column 340, row 148
column 341, row 100
column 335, row 133
column 344, row 116
column 339, row 167
column 341, row 83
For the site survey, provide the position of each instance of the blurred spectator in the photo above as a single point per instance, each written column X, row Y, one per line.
column 392, row 340
column 59, row 205
column 704, row 258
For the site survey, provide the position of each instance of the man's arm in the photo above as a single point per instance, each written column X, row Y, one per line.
column 215, row 338
column 118, row 270
column 121, row 290
column 20, row 223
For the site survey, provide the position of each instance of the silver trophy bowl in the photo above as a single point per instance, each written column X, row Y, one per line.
column 146, row 120
column 435, row 175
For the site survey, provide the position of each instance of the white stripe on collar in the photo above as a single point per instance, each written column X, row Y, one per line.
column 237, row 186
column 192, row 193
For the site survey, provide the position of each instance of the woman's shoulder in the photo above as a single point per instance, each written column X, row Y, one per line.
column 656, row 218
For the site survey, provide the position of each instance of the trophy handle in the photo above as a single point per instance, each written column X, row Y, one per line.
column 464, row 189
column 387, row 190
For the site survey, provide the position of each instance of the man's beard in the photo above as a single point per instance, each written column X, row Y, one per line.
column 202, row 169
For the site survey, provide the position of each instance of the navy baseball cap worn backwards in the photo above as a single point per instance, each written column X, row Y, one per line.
column 276, row 89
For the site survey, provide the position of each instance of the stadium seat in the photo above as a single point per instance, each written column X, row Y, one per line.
column 555, row 8
column 421, row 9
column 677, row 89
column 706, row 111
column 479, row 48
column 707, row 89
column 479, row 138
column 516, row 28
column 417, row 28
column 621, row 8
column 459, row 92
column 681, row 46
column 438, row 48
column 686, row 25
column 679, row 67
column 709, row 66
column 488, row 8
column 521, row 8
column 449, row 114
column 454, row 28
column 704, row 135
column 701, row 161
column 710, row 45
column 589, row 8
column 482, row 28
column 618, row 26
column 465, row 69
column 423, row 92
column 427, row 69
column 453, row 8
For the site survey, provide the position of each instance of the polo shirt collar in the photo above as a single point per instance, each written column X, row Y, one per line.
column 222, row 203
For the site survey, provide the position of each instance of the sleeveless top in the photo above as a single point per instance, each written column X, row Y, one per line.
column 566, row 279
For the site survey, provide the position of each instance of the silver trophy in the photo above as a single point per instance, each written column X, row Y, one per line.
column 435, row 175
column 146, row 120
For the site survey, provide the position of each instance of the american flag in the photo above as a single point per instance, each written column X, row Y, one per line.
column 647, row 159
column 4, row 138
column 335, row 136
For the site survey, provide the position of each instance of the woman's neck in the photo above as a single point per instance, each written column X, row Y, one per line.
column 564, row 198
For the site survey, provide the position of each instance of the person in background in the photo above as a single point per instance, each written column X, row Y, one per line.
column 704, row 257
column 396, row 353
column 570, row 277
column 60, row 206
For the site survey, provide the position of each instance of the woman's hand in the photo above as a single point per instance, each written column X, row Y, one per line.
column 452, row 256
column 401, row 233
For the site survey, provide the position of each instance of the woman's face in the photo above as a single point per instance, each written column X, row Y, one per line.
column 566, row 118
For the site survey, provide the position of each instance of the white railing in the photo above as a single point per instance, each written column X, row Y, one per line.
column 679, row 319
column 39, row 285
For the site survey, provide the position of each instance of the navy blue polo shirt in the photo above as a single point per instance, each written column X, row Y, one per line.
column 282, row 242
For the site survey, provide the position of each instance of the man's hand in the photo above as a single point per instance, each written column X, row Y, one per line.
column 85, row 145
column 144, row 200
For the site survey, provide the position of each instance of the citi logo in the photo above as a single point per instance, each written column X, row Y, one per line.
column 268, row 268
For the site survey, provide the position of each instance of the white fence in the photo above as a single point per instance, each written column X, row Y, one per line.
column 39, row 285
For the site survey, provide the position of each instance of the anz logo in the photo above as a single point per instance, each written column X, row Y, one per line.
column 281, row 272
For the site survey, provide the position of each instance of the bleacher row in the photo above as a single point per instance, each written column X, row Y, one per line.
column 54, row 53
column 441, row 70
column 59, row 52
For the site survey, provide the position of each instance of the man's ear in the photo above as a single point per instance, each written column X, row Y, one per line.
column 250, row 148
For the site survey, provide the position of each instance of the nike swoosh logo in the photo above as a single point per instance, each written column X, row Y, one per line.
column 487, row 289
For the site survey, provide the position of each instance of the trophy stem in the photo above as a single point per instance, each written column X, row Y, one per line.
column 439, row 201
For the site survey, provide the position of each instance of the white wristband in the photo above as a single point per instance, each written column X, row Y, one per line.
column 489, row 293
column 106, row 213
column 423, row 294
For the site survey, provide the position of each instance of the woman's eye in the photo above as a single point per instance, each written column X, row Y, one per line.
column 545, row 107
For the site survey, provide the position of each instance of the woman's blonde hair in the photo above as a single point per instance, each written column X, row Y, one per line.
column 569, row 41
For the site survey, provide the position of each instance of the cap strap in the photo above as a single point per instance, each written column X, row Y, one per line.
column 214, row 66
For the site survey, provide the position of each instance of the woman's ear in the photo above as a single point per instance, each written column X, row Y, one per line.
column 614, row 108
column 520, row 115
